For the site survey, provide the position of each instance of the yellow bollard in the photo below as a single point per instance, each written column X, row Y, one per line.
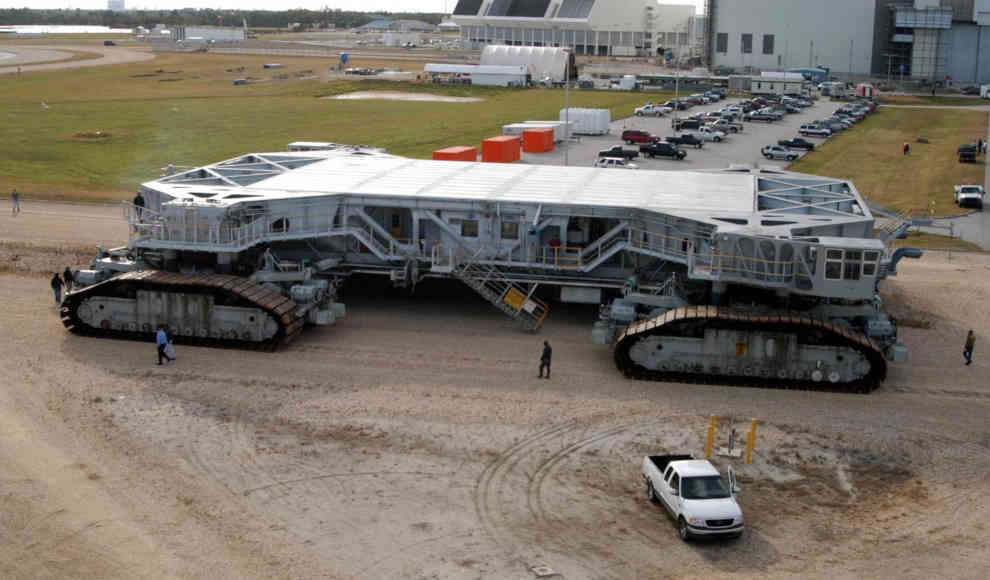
column 711, row 437
column 750, row 441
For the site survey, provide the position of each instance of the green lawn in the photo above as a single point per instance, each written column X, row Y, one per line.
column 943, row 100
column 184, row 109
column 870, row 154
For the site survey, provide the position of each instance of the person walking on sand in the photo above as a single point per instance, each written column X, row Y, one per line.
column 15, row 202
column 968, row 350
column 907, row 149
column 545, row 359
column 57, row 288
column 68, row 279
column 161, row 341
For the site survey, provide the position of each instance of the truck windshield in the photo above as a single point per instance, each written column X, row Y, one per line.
column 708, row 487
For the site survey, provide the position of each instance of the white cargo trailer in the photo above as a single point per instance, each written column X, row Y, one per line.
column 587, row 121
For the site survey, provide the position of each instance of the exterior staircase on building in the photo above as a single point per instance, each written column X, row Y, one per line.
column 503, row 293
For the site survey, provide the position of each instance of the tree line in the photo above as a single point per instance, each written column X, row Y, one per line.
column 204, row 17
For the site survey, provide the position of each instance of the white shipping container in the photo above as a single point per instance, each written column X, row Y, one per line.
column 587, row 121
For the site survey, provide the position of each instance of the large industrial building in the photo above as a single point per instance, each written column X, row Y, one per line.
column 933, row 40
column 589, row 27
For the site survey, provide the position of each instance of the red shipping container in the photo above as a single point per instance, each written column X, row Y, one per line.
column 459, row 153
column 503, row 149
column 537, row 140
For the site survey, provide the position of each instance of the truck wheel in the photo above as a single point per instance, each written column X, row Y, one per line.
column 682, row 529
column 629, row 141
column 639, row 114
column 717, row 139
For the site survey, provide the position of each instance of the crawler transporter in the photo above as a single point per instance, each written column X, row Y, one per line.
column 737, row 276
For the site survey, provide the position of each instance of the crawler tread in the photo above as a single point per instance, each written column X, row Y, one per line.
column 281, row 309
column 670, row 322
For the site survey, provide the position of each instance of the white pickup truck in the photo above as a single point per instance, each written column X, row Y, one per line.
column 971, row 195
column 693, row 492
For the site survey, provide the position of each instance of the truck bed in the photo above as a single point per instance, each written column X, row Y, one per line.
column 661, row 461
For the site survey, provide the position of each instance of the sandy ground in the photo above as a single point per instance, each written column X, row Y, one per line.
column 398, row 96
column 413, row 440
column 38, row 53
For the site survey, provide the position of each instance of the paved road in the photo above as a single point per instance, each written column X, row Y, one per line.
column 35, row 53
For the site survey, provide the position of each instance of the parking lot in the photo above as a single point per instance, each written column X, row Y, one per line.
column 742, row 147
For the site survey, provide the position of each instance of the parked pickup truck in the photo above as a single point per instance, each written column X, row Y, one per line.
column 652, row 110
column 663, row 149
column 619, row 151
column 726, row 126
column 681, row 124
column 685, row 139
column 797, row 143
column 693, row 492
column 708, row 134
column 969, row 195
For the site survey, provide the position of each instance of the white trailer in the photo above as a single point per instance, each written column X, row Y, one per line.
column 985, row 91
column 587, row 121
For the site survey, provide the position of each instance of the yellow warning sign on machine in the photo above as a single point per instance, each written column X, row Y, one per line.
column 514, row 298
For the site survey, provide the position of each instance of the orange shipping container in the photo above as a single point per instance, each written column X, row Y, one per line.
column 537, row 140
column 503, row 149
column 456, row 154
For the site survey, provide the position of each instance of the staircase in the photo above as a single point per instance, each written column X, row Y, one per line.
column 504, row 294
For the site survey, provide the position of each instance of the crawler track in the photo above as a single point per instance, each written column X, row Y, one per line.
column 244, row 291
column 674, row 323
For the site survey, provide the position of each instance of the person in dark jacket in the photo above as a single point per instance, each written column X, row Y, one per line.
column 57, row 288
column 68, row 279
column 139, row 206
column 968, row 349
column 545, row 359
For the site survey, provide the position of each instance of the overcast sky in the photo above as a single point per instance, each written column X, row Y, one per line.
column 363, row 5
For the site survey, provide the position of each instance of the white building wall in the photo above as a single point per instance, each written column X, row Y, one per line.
column 806, row 33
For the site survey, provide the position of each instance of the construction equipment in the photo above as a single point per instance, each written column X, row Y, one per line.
column 738, row 276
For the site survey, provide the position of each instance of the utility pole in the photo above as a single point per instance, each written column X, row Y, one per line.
column 811, row 52
column 850, row 58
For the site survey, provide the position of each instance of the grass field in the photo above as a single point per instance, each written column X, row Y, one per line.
column 184, row 109
column 948, row 101
column 870, row 155
column 928, row 241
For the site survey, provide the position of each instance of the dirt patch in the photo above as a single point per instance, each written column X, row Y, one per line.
column 400, row 96
column 91, row 136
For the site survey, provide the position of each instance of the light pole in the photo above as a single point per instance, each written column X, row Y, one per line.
column 567, row 104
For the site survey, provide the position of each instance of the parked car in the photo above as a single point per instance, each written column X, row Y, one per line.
column 693, row 491
column 969, row 195
column 112, row 43
column 682, row 124
column 662, row 149
column 615, row 163
column 971, row 90
column 797, row 143
column 778, row 152
column 811, row 130
column 619, row 151
column 754, row 116
column 631, row 136
column 685, row 139
column 652, row 110
column 678, row 105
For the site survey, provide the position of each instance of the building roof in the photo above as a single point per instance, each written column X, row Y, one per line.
column 729, row 199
